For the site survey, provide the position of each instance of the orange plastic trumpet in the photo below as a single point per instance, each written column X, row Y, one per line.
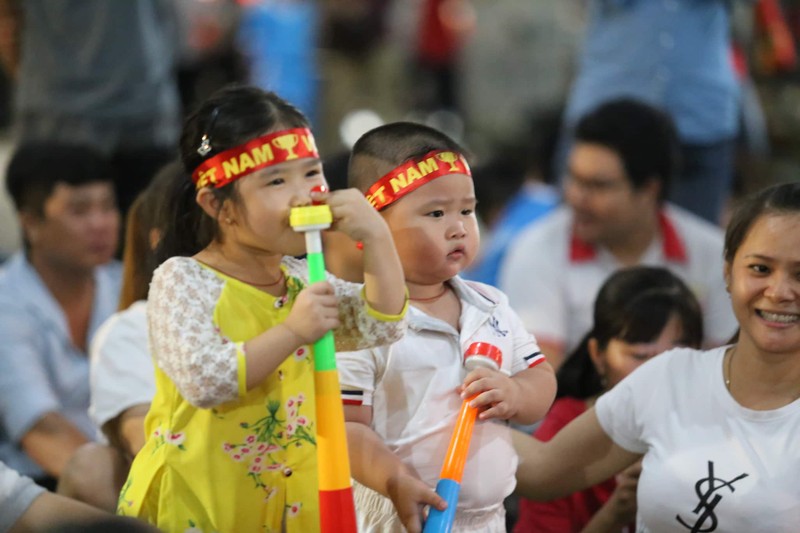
column 479, row 354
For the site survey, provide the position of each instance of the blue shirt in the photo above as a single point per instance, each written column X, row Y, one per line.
column 530, row 203
column 41, row 370
column 673, row 54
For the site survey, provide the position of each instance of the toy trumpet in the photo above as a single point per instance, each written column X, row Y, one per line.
column 479, row 354
column 337, row 510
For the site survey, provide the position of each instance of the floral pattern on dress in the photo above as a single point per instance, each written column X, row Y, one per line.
column 271, row 434
column 122, row 501
column 162, row 437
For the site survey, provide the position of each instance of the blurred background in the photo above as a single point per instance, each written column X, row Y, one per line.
column 494, row 74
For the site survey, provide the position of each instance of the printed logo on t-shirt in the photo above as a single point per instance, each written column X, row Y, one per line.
column 708, row 492
column 495, row 325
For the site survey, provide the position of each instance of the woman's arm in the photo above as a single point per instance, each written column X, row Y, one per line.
column 580, row 456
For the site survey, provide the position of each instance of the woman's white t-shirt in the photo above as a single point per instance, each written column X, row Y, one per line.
column 710, row 465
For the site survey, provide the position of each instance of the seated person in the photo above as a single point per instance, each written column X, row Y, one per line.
column 620, row 170
column 639, row 313
column 122, row 376
column 26, row 507
column 54, row 295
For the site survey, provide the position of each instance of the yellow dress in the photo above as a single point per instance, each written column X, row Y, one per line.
column 219, row 457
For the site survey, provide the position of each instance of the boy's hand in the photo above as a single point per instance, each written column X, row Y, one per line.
column 498, row 395
column 355, row 216
column 315, row 312
column 409, row 496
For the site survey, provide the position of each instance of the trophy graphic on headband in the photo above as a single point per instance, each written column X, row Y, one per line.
column 287, row 143
column 450, row 158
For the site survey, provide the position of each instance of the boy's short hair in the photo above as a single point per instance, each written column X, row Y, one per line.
column 382, row 149
column 36, row 168
column 642, row 136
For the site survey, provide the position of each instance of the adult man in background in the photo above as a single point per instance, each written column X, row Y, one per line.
column 619, row 172
column 675, row 55
column 53, row 296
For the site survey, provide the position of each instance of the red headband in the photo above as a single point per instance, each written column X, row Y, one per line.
column 253, row 155
column 414, row 174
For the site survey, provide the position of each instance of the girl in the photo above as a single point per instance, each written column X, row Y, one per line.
column 231, row 430
column 639, row 313
column 716, row 430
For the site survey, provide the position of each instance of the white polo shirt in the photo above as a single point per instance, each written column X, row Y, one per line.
column 412, row 383
column 552, row 278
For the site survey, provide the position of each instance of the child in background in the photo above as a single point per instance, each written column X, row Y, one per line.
column 231, row 432
column 401, row 401
column 639, row 313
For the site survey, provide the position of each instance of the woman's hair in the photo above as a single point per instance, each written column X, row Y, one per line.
column 149, row 213
column 778, row 199
column 633, row 306
column 228, row 118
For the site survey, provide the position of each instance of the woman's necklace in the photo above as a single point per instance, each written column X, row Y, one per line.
column 729, row 366
column 730, row 361
column 431, row 298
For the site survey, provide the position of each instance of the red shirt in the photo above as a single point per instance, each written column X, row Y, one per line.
column 570, row 514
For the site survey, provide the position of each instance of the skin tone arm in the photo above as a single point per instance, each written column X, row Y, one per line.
column 375, row 466
column 131, row 427
column 51, row 442
column 384, row 281
column 49, row 510
column 581, row 455
column 554, row 351
column 523, row 398
column 620, row 509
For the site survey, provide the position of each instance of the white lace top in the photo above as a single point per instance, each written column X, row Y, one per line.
column 203, row 363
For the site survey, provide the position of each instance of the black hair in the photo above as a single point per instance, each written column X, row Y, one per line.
column 633, row 305
column 36, row 167
column 497, row 180
column 150, row 211
column 228, row 118
column 643, row 136
column 392, row 145
column 783, row 198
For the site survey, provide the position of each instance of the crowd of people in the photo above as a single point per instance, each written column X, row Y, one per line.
column 647, row 356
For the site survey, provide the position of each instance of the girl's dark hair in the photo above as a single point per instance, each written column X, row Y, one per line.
column 633, row 305
column 778, row 199
column 150, row 211
column 229, row 118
